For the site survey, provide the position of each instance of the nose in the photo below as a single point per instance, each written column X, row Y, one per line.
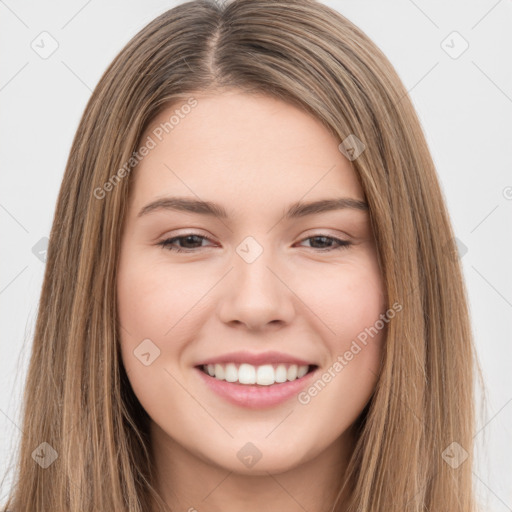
column 257, row 295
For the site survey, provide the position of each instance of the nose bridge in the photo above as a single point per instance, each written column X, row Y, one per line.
column 252, row 264
column 257, row 296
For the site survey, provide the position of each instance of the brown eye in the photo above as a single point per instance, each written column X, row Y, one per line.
column 189, row 242
column 323, row 239
column 190, row 239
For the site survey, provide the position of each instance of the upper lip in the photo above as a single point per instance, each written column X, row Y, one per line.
column 256, row 359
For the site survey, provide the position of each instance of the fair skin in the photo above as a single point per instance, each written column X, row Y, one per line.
column 302, row 296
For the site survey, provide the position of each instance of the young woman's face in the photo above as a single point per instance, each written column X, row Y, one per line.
column 259, row 295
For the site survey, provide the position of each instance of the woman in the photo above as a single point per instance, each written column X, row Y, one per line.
column 263, row 369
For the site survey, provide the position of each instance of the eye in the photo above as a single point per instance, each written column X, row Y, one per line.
column 338, row 244
column 190, row 239
column 193, row 239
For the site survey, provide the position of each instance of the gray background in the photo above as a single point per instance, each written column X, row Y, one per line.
column 464, row 103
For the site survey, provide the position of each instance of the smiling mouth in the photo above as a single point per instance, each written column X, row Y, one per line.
column 261, row 375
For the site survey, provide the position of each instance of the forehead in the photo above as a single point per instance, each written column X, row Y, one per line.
column 242, row 147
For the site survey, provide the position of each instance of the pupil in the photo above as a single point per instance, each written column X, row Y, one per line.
column 190, row 238
column 322, row 238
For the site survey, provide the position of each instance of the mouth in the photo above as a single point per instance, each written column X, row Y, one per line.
column 256, row 386
column 252, row 375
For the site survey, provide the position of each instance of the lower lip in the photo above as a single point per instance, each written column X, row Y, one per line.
column 255, row 396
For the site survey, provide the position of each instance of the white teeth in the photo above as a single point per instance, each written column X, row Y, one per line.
column 246, row 374
column 302, row 371
column 231, row 374
column 264, row 375
column 219, row 372
column 292, row 372
column 281, row 373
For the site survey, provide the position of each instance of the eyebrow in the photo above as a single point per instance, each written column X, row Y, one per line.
column 296, row 210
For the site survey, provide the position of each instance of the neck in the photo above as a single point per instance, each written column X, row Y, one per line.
column 189, row 483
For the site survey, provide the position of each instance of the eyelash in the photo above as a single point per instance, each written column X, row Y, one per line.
column 166, row 244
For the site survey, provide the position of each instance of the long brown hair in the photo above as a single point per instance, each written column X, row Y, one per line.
column 78, row 398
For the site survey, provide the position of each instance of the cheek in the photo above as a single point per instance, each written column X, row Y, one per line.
column 360, row 308
column 347, row 380
column 354, row 307
column 151, row 301
column 347, row 299
column 350, row 302
column 152, row 308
